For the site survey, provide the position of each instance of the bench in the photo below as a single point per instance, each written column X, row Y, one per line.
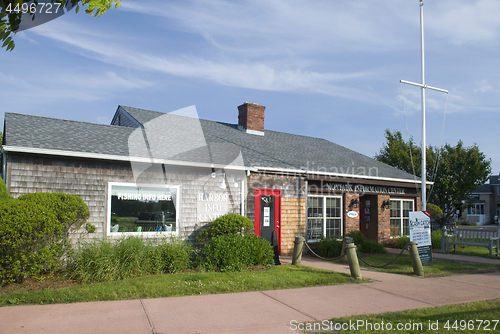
column 474, row 236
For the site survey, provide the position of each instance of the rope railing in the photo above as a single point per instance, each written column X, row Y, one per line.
column 349, row 251
column 383, row 265
column 342, row 254
column 359, row 257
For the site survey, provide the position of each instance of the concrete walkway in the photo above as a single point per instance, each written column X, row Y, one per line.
column 252, row 312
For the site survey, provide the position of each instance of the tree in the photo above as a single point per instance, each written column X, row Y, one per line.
column 459, row 170
column 11, row 12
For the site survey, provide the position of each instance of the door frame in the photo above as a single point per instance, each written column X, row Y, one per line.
column 277, row 211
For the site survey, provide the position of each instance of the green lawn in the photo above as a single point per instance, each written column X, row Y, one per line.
column 476, row 317
column 182, row 284
column 475, row 251
column 439, row 267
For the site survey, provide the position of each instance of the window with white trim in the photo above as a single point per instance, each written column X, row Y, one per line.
column 400, row 216
column 137, row 209
column 476, row 209
column 324, row 217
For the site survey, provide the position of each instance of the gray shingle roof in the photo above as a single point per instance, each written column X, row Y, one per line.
column 187, row 139
column 60, row 134
column 483, row 189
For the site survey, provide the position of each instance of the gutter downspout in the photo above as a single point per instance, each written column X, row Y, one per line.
column 242, row 197
column 4, row 166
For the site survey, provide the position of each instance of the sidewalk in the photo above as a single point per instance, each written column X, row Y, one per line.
column 451, row 256
column 252, row 312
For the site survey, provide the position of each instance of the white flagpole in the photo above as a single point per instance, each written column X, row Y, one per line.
column 423, row 86
column 424, row 156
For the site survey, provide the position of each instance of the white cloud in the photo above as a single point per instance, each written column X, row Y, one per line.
column 319, row 46
column 260, row 75
column 46, row 87
column 259, row 27
column 483, row 86
column 466, row 21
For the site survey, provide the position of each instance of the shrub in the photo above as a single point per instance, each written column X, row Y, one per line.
column 227, row 224
column 4, row 194
column 70, row 210
column 465, row 222
column 34, row 231
column 402, row 241
column 357, row 236
column 103, row 260
column 30, row 240
column 234, row 252
column 329, row 247
column 436, row 240
column 364, row 245
column 174, row 256
column 397, row 242
column 90, row 228
column 370, row 246
column 332, row 247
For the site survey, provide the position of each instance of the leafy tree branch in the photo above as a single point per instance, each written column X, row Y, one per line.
column 11, row 13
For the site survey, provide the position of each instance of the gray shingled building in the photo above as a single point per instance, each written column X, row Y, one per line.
column 486, row 203
column 155, row 174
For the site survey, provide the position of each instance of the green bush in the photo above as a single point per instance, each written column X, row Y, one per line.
column 227, row 224
column 90, row 228
column 4, row 194
column 365, row 245
column 103, row 260
column 357, row 236
column 332, row 247
column 398, row 242
column 234, row 252
column 174, row 256
column 329, row 247
column 436, row 240
column 30, row 240
column 70, row 210
column 373, row 247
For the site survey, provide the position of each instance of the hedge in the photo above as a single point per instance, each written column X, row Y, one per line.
column 34, row 232
column 29, row 235
column 234, row 252
column 228, row 224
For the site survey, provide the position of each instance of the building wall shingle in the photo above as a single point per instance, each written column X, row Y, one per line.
column 89, row 180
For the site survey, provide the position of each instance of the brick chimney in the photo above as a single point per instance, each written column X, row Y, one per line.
column 251, row 118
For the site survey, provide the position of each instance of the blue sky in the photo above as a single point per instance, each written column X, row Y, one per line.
column 328, row 69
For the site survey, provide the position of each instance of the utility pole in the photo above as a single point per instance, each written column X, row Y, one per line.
column 423, row 86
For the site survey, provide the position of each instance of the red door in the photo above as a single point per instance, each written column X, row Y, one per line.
column 268, row 214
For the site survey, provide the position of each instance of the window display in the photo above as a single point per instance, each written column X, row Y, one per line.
column 142, row 209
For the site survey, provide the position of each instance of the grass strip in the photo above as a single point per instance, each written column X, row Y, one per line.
column 182, row 284
column 474, row 317
column 438, row 268
column 475, row 251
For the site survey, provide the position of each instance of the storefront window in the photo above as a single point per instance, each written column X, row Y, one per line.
column 324, row 217
column 400, row 213
column 142, row 209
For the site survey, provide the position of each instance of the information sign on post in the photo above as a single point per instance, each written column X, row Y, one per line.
column 420, row 232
